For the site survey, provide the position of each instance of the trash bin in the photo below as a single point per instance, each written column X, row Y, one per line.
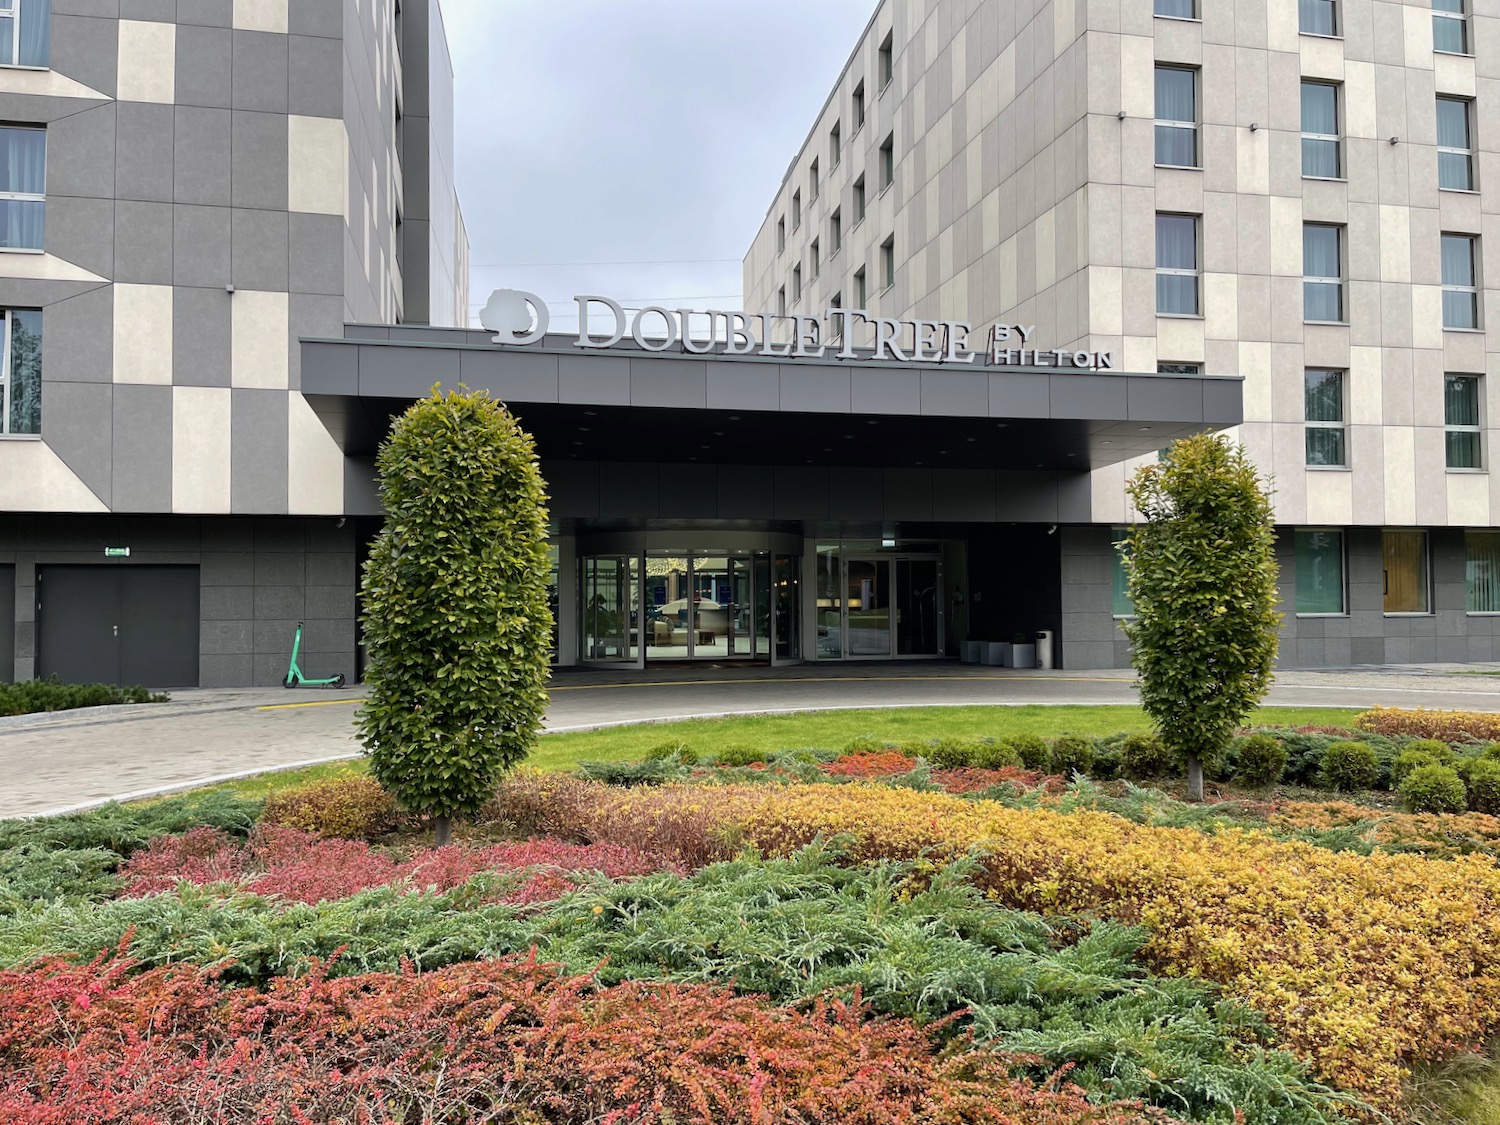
column 1044, row 648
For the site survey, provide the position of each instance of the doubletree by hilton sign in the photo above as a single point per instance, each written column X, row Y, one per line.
column 518, row 318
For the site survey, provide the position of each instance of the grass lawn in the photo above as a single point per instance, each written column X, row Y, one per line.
column 823, row 729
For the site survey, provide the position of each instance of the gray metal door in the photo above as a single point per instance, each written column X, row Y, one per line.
column 7, row 624
column 118, row 624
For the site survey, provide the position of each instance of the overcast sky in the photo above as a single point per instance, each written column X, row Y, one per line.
column 651, row 132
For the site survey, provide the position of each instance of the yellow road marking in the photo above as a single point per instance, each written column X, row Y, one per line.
column 317, row 703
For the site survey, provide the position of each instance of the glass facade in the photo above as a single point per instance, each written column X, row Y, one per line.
column 1455, row 145
column 1317, row 17
column 1319, row 571
column 1320, row 131
column 1323, row 399
column 1405, row 572
column 1177, row 265
column 1482, row 572
column 1177, row 116
column 1462, row 435
column 21, row 373
column 1460, row 287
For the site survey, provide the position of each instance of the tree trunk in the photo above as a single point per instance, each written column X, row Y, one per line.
column 1195, row 778
column 442, row 826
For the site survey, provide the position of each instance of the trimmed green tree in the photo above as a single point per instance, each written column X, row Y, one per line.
column 457, row 626
column 1201, row 571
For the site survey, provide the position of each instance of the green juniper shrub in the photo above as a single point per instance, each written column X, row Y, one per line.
column 1412, row 758
column 1482, row 779
column 737, row 754
column 864, row 744
column 1032, row 749
column 676, row 751
column 951, row 753
column 652, row 771
column 990, row 754
column 1106, row 760
column 1144, row 756
column 1072, row 753
column 1348, row 766
column 1259, row 760
column 1434, row 789
column 32, row 696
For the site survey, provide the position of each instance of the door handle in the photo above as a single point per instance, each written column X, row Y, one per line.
column 116, row 628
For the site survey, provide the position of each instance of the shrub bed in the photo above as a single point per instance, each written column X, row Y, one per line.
column 30, row 697
column 1445, row 726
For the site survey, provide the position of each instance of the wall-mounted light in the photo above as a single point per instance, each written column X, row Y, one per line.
column 1254, row 125
column 1395, row 140
column 1121, row 115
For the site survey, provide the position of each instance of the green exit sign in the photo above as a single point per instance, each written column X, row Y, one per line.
column 117, row 552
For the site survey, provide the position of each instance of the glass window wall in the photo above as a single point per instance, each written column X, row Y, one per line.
column 1319, row 571
column 1482, row 573
column 1406, row 584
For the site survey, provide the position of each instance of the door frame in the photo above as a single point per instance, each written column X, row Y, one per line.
column 893, row 559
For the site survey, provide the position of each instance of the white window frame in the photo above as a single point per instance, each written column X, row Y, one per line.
column 1342, row 425
column 1460, row 17
column 1196, row 273
column 1426, row 568
column 7, row 318
column 1159, row 14
column 1338, row 22
column 1186, row 126
column 886, row 61
column 28, row 196
column 1467, row 153
column 1336, row 137
column 857, row 101
column 1479, row 422
column 14, row 15
column 1338, row 280
column 1343, row 569
column 1471, row 290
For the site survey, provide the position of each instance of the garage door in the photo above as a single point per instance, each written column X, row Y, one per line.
column 118, row 624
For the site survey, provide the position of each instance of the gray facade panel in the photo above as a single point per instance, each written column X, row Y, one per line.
column 315, row 83
column 630, row 491
column 202, row 150
column 1166, row 400
column 81, row 154
column 143, row 163
column 857, row 494
column 963, row 495
column 1026, row 496
column 201, row 344
column 86, row 50
column 143, row 243
column 258, row 451
column 733, row 387
column 103, row 9
column 908, row 494
column 211, row 13
column 532, row 381
column 226, row 638
column 226, row 603
column 226, row 568
column 336, row 367
column 316, row 263
column 82, row 231
column 573, row 489
column 259, row 253
column 316, row 17
column 1020, row 396
column 79, row 339
column 387, row 372
column 280, row 568
column 875, row 391
column 603, row 380
column 157, row 11
column 690, row 495
column 280, row 603
column 258, row 160
column 204, row 66
column 964, row 394
column 260, row 72
column 201, row 246
column 802, row 494
column 1088, row 396
column 225, row 671
column 746, row 492
column 819, row 389
column 142, row 449
column 1223, row 401
column 665, row 382
column 76, row 421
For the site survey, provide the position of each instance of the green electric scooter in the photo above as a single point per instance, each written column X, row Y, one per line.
column 294, row 676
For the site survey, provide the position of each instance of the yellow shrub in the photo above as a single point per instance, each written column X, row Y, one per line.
column 1447, row 726
column 349, row 806
column 1364, row 963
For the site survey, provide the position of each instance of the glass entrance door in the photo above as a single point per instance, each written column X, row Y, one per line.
column 708, row 607
column 867, row 607
column 786, row 609
column 611, row 595
column 917, row 625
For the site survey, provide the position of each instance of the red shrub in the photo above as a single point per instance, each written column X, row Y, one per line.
column 304, row 868
column 495, row 1040
column 886, row 763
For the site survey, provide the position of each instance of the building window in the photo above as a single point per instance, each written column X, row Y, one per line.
column 21, row 374
column 1460, row 283
column 25, row 32
column 781, row 301
column 797, row 209
column 859, row 201
column 1482, row 572
column 1318, row 17
column 1119, row 549
column 814, row 266
column 1455, row 144
column 888, row 262
column 1177, row 265
column 835, row 146
column 861, row 290
column 1462, row 434
column 23, row 184
column 1177, row 117
column 1320, row 131
column 796, row 283
column 1405, row 558
column 781, row 234
column 835, row 231
column 858, row 106
column 886, row 67
column 1323, row 401
column 835, row 329
column 1322, row 273
column 1179, row 369
column 888, row 162
column 1319, row 571
column 812, row 181
column 1450, row 27
column 1177, row 9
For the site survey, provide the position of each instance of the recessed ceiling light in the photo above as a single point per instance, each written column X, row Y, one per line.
column 828, row 449
column 1072, row 455
column 1001, row 425
column 578, row 443
column 591, row 413
column 1106, row 442
column 971, row 439
column 734, row 417
column 1145, row 429
column 872, row 423
column 583, row 429
column 944, row 452
column 718, row 433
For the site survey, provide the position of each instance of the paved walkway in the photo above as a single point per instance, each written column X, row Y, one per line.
column 72, row 759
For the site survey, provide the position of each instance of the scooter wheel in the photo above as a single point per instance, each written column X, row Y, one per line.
column 289, row 682
column 338, row 681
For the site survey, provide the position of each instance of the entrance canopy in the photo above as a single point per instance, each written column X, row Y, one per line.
column 626, row 404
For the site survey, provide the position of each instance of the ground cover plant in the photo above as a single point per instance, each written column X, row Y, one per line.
column 1090, row 943
column 28, row 697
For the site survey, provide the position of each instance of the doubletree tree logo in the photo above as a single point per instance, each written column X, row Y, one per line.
column 509, row 315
